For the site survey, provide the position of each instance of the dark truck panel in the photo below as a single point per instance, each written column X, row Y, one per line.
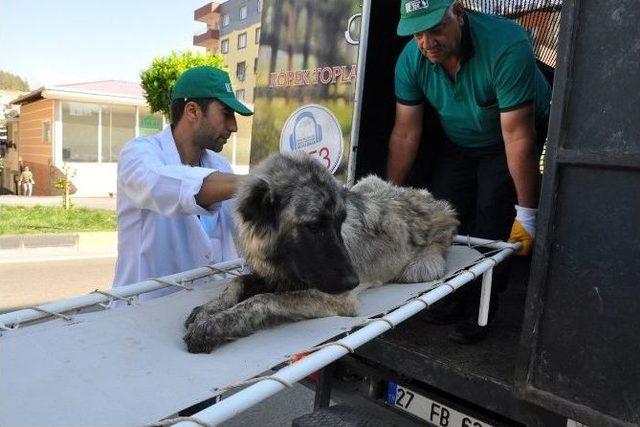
column 580, row 342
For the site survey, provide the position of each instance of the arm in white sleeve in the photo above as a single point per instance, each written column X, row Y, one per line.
column 151, row 184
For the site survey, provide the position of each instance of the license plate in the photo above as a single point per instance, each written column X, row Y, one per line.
column 429, row 410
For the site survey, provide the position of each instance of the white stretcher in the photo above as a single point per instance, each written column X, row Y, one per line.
column 63, row 366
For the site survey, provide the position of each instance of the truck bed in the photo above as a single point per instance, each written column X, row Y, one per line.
column 482, row 374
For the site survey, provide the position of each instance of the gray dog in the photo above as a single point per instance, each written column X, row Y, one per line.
column 310, row 242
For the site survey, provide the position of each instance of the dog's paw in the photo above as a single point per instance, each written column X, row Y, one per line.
column 435, row 270
column 203, row 337
column 192, row 317
column 424, row 270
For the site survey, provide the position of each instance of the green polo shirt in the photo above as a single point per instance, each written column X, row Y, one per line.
column 498, row 73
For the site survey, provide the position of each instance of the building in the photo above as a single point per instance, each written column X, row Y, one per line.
column 233, row 29
column 83, row 126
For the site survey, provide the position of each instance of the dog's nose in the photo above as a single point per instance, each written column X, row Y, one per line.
column 351, row 280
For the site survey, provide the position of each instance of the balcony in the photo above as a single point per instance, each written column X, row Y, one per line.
column 209, row 40
column 209, row 13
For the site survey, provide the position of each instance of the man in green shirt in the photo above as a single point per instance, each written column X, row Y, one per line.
column 479, row 73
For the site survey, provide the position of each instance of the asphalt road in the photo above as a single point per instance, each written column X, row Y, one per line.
column 36, row 282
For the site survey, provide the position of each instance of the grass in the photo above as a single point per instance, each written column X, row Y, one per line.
column 54, row 219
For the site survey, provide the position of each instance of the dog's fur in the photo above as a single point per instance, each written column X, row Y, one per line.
column 310, row 241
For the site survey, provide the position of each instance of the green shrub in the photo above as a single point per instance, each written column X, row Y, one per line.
column 158, row 79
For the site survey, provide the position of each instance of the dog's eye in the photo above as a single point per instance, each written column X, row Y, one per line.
column 313, row 227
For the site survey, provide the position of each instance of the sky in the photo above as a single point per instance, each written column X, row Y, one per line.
column 49, row 42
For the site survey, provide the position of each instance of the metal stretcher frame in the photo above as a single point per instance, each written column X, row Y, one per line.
column 319, row 357
column 330, row 352
column 14, row 319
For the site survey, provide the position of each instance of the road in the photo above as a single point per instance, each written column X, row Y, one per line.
column 36, row 282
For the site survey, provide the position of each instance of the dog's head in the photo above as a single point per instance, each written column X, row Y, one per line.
column 289, row 214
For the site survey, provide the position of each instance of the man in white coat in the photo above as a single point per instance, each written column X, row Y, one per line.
column 174, row 212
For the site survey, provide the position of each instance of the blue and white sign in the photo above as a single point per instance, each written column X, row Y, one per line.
column 314, row 129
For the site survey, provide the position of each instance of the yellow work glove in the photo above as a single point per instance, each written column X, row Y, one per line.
column 523, row 229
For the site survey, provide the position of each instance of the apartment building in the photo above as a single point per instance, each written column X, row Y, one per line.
column 233, row 29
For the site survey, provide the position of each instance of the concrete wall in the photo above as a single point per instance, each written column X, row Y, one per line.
column 94, row 179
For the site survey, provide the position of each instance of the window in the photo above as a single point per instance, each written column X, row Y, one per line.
column 240, row 95
column 225, row 19
column 243, row 12
column 241, row 71
column 257, row 35
column 97, row 133
column 255, row 65
column 242, row 40
column 259, row 6
column 80, row 131
column 46, row 132
column 224, row 47
column 118, row 127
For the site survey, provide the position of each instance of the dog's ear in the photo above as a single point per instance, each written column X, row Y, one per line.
column 260, row 206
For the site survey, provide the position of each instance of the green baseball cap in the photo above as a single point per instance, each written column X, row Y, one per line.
column 208, row 82
column 420, row 15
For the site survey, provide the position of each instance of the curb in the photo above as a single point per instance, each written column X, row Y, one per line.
column 41, row 247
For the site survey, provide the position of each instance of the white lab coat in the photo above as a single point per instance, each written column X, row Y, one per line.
column 159, row 232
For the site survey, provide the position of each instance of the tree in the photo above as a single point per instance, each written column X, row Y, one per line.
column 11, row 81
column 158, row 79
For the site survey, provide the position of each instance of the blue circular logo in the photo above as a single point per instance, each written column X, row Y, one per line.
column 314, row 129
